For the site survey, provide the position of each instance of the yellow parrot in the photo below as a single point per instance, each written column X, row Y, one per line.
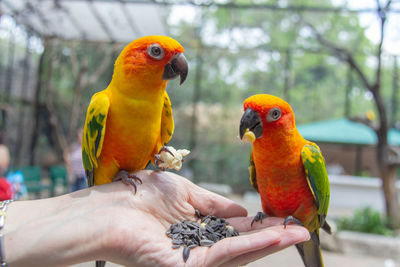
column 130, row 121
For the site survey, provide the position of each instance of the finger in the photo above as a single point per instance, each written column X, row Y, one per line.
column 293, row 234
column 210, row 203
column 230, row 248
column 243, row 224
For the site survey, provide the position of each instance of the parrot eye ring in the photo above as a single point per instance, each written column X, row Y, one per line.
column 155, row 51
column 274, row 114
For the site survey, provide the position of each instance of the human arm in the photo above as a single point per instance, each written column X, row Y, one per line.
column 111, row 223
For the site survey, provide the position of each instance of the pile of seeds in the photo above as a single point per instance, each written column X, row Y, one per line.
column 206, row 233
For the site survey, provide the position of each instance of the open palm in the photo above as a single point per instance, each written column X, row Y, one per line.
column 135, row 225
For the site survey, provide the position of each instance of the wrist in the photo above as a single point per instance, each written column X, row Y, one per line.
column 48, row 232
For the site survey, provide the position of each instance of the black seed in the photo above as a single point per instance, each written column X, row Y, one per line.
column 198, row 214
column 196, row 238
column 177, row 242
column 186, row 252
column 209, row 229
column 218, row 234
column 206, row 243
column 193, row 225
column 176, row 236
column 177, row 229
column 188, row 232
column 191, row 234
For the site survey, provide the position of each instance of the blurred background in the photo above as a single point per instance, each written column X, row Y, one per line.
column 334, row 61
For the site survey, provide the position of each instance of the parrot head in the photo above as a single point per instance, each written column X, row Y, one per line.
column 151, row 59
column 263, row 115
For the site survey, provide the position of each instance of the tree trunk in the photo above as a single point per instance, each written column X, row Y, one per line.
column 387, row 170
column 389, row 177
column 76, row 107
column 36, row 102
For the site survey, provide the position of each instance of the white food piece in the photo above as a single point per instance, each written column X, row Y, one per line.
column 172, row 161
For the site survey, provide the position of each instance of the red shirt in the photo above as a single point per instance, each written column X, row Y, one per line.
column 6, row 191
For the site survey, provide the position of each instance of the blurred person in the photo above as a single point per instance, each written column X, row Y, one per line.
column 6, row 190
column 73, row 161
column 17, row 181
column 109, row 222
column 4, row 159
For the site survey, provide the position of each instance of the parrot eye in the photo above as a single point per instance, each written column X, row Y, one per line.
column 155, row 51
column 274, row 114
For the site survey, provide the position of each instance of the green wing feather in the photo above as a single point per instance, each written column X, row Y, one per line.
column 252, row 172
column 317, row 177
column 93, row 133
column 167, row 121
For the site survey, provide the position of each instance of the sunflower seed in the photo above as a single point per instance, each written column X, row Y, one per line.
column 205, row 233
column 198, row 214
column 206, row 243
column 186, row 252
column 177, row 242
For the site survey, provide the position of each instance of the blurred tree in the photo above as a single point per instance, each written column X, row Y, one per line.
column 248, row 51
column 66, row 65
column 388, row 157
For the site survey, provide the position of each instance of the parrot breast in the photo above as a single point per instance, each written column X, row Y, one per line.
column 132, row 130
column 282, row 181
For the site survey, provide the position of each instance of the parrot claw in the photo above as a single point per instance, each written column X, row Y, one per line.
column 259, row 217
column 291, row 219
column 128, row 179
column 166, row 149
column 158, row 161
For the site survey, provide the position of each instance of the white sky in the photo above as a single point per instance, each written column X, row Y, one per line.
column 370, row 21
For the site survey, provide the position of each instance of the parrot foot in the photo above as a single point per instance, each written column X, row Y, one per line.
column 259, row 217
column 291, row 219
column 128, row 179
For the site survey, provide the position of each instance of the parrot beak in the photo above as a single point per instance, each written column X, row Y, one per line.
column 177, row 66
column 250, row 126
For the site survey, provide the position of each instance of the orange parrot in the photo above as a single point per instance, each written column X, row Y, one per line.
column 287, row 170
column 130, row 121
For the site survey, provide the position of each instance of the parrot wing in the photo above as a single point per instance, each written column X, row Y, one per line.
column 93, row 133
column 167, row 121
column 252, row 172
column 317, row 178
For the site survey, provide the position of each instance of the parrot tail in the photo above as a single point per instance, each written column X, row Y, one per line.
column 310, row 252
column 100, row 263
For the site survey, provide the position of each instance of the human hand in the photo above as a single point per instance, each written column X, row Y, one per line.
column 135, row 225
column 110, row 222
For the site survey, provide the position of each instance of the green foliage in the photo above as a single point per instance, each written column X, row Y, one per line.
column 250, row 51
column 243, row 52
column 366, row 220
